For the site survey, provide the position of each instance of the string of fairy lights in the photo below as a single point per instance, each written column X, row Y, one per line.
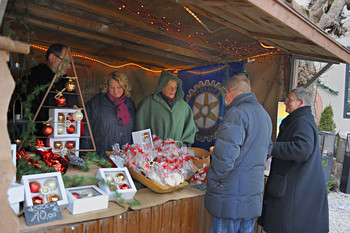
column 80, row 55
column 238, row 50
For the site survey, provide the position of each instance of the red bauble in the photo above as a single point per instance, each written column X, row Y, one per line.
column 70, row 117
column 124, row 186
column 47, row 130
column 70, row 145
column 37, row 200
column 76, row 195
column 71, row 129
column 61, row 100
column 34, row 186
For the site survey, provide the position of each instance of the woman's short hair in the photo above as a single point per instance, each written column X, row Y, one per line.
column 121, row 78
column 304, row 94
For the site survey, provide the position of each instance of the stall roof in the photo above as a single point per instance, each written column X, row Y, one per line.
column 176, row 33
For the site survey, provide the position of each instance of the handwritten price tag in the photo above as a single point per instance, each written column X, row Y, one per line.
column 43, row 213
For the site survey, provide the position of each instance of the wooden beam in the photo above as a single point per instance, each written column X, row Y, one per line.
column 113, row 42
column 120, row 16
column 80, row 24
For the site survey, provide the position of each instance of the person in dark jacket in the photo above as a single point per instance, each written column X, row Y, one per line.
column 43, row 74
column 235, row 178
column 295, row 198
column 111, row 114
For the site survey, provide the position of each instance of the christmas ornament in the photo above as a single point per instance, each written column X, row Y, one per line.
column 37, row 200
column 78, row 115
column 60, row 117
column 47, row 130
column 61, row 100
column 70, row 85
column 124, row 186
column 51, row 183
column 64, row 151
column 70, row 145
column 57, row 145
column 76, row 195
column 119, row 177
column 71, row 129
column 45, row 190
column 70, row 117
column 34, row 186
column 60, row 129
column 88, row 193
column 53, row 197
column 113, row 187
column 109, row 178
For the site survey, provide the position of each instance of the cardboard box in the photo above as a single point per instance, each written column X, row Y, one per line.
column 15, row 195
column 63, row 146
column 120, row 178
column 62, row 121
column 86, row 199
column 43, row 188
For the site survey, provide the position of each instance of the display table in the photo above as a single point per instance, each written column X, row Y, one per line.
column 180, row 211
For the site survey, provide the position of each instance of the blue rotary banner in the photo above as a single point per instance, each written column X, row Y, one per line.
column 204, row 92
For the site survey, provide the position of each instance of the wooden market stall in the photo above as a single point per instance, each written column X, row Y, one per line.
column 155, row 35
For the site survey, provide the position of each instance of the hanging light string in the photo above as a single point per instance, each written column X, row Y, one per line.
column 175, row 69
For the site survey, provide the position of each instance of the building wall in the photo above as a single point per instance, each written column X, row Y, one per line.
column 334, row 78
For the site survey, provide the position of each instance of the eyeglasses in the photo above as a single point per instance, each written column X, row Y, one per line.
column 61, row 58
column 289, row 100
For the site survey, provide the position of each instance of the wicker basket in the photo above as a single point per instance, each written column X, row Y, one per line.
column 152, row 185
column 203, row 155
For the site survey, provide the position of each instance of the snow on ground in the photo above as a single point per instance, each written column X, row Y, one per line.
column 339, row 212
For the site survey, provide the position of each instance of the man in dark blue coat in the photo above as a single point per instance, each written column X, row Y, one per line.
column 235, row 178
column 295, row 199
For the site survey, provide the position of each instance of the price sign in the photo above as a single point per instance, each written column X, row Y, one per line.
column 43, row 213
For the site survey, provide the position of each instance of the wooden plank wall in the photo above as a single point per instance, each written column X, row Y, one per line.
column 182, row 216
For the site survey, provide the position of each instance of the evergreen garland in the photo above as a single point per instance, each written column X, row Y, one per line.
column 327, row 88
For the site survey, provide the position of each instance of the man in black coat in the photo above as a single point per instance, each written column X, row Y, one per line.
column 43, row 74
column 295, row 199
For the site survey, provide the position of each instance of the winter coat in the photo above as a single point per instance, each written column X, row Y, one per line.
column 235, row 178
column 295, row 199
column 106, row 127
column 174, row 122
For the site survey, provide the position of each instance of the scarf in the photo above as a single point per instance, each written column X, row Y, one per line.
column 169, row 101
column 122, row 109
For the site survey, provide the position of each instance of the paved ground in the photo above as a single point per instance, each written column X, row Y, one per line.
column 339, row 212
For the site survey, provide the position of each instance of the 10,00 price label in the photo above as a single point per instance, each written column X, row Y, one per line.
column 43, row 213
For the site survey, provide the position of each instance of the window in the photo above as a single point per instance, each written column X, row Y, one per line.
column 347, row 92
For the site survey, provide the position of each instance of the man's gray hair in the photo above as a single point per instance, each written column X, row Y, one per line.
column 238, row 83
column 304, row 94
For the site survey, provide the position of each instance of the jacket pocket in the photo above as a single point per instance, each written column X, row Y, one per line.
column 277, row 185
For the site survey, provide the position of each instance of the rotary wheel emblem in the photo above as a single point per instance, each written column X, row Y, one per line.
column 207, row 106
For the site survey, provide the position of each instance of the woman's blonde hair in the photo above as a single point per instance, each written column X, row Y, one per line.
column 121, row 78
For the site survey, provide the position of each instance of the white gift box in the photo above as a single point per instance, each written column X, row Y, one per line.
column 47, row 187
column 63, row 146
column 15, row 195
column 120, row 178
column 62, row 120
column 90, row 198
